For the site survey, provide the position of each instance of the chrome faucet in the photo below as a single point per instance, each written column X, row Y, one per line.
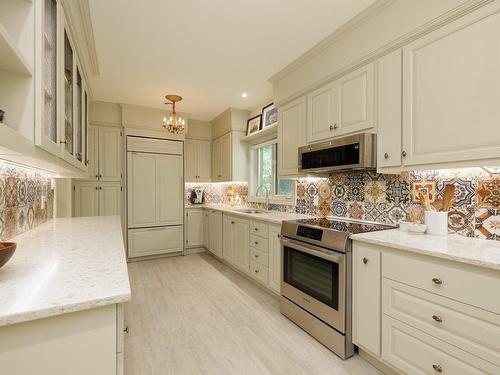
column 267, row 194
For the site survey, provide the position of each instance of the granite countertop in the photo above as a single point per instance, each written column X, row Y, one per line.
column 482, row 253
column 275, row 217
column 62, row 266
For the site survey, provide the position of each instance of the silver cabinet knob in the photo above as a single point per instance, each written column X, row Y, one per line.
column 437, row 281
column 126, row 330
column 232, row 222
column 256, row 271
column 386, row 156
column 404, row 154
column 256, row 229
column 365, row 260
column 331, row 127
column 256, row 255
column 335, row 126
column 437, row 368
column 279, row 235
column 437, row 318
column 256, row 242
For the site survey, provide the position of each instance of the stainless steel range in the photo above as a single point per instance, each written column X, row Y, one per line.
column 316, row 277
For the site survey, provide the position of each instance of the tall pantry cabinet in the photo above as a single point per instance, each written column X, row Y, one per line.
column 155, row 196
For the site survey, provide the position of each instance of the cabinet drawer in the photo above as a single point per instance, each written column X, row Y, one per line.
column 259, row 271
column 259, row 228
column 458, row 281
column 259, row 256
column 157, row 146
column 259, row 243
column 154, row 241
column 474, row 330
column 414, row 352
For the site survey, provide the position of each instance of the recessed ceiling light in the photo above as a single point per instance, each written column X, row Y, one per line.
column 244, row 95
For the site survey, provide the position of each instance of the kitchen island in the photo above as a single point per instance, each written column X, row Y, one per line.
column 61, row 299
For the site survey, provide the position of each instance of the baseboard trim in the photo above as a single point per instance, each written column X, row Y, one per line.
column 375, row 362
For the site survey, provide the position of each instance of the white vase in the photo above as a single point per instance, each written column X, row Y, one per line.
column 437, row 222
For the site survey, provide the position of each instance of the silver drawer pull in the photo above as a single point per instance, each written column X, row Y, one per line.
column 437, row 368
column 365, row 260
column 256, row 242
column 437, row 281
column 256, row 271
column 126, row 330
column 437, row 318
column 256, row 255
column 256, row 229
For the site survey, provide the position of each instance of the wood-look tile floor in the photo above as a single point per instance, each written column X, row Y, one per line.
column 194, row 315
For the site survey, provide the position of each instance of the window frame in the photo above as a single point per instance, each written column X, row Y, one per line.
column 254, row 175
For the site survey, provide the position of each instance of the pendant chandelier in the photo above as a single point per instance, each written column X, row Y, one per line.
column 174, row 123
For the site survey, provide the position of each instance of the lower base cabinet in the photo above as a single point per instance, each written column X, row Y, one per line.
column 97, row 198
column 155, row 241
column 215, row 232
column 235, row 242
column 78, row 343
column 275, row 267
column 194, row 227
column 424, row 315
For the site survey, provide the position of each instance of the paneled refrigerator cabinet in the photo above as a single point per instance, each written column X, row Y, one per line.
column 155, row 196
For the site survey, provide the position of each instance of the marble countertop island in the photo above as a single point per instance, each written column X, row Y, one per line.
column 275, row 217
column 62, row 266
column 482, row 253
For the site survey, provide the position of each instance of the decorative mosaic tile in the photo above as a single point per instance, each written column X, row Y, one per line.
column 461, row 221
column 397, row 213
column 398, row 192
column 423, row 175
column 11, row 192
column 487, row 225
column 427, row 188
column 355, row 190
column 465, row 191
column 2, row 193
column 377, row 212
column 375, row 191
column 488, row 193
column 356, row 210
column 339, row 209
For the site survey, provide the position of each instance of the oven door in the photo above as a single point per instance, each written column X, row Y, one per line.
column 314, row 279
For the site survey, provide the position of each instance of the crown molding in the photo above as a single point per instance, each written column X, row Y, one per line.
column 346, row 28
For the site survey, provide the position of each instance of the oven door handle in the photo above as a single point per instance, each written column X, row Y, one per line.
column 320, row 254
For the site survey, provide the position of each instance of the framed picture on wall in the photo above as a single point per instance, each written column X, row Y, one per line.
column 269, row 115
column 254, row 124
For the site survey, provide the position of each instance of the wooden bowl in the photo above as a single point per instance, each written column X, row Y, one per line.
column 6, row 251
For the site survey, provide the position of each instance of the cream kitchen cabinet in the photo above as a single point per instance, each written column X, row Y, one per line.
column 451, row 91
column 197, row 160
column 343, row 106
column 275, row 270
column 97, row 198
column 229, row 158
column 366, row 298
column 422, row 314
column 215, row 233
column 235, row 242
column 105, row 153
column 194, row 227
column 291, row 136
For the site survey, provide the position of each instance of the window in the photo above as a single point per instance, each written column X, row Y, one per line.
column 265, row 173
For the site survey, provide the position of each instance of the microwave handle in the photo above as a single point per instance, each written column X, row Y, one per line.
column 320, row 254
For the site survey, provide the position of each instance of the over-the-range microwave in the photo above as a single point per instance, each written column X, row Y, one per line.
column 345, row 153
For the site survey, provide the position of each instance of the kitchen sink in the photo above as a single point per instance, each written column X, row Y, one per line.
column 250, row 211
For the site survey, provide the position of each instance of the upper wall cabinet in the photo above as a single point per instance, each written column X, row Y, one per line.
column 105, row 153
column 291, row 136
column 343, row 106
column 451, row 91
column 197, row 157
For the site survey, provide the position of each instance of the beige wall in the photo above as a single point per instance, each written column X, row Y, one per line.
column 199, row 130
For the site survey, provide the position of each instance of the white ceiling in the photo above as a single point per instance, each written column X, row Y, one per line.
column 209, row 52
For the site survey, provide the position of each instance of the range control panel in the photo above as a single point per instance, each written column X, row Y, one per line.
column 311, row 233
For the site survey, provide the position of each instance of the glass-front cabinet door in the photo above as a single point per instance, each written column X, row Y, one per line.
column 62, row 96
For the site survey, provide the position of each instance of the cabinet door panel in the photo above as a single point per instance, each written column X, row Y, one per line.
column 93, row 152
column 110, row 151
column 366, row 297
column 274, row 258
column 356, row 97
column 322, row 112
column 216, row 160
column 215, row 226
column 86, row 199
column 241, row 244
column 229, row 233
column 206, row 229
column 389, row 95
column 110, row 199
column 169, row 190
column 225, row 157
column 291, row 136
column 451, row 91
column 204, row 161
column 194, row 228
column 154, row 241
column 191, row 160
column 142, row 182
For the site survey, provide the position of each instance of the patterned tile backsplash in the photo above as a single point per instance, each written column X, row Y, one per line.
column 21, row 192
column 390, row 198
